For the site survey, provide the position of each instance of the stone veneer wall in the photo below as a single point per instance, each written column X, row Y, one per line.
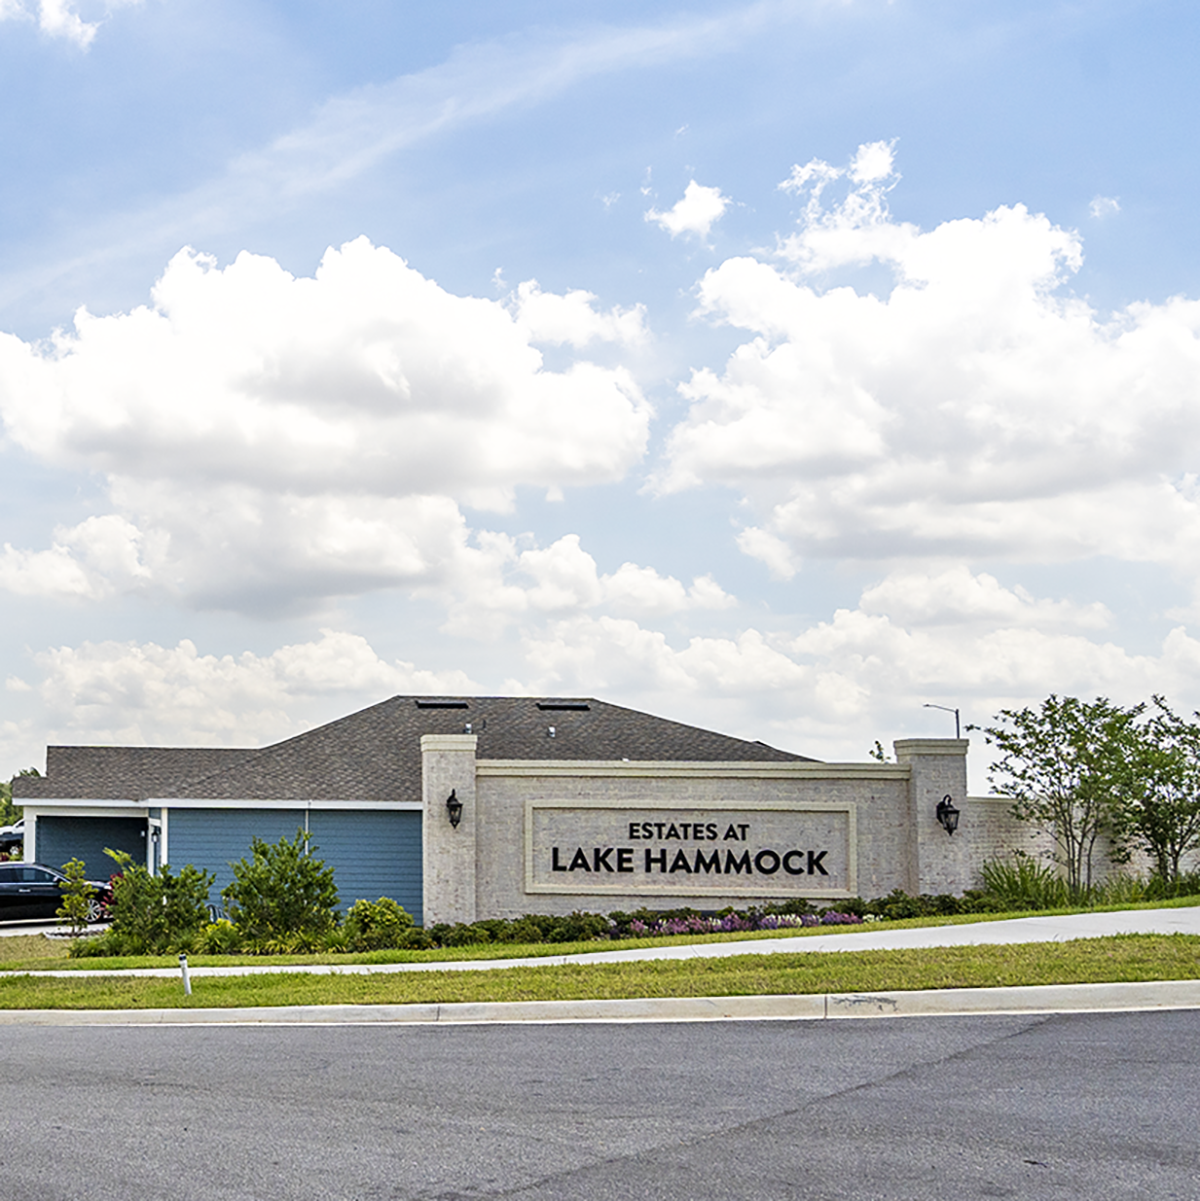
column 993, row 833
column 879, row 794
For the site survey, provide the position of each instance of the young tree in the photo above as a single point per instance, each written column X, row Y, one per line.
column 282, row 891
column 1161, row 786
column 78, row 893
column 1063, row 765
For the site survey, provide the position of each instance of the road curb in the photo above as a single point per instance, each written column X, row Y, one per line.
column 951, row 1002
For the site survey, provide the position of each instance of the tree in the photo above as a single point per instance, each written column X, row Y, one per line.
column 1161, row 787
column 1065, row 766
column 282, row 892
column 77, row 892
column 9, row 812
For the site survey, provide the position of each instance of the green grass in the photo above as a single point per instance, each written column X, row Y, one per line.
column 1096, row 960
column 31, row 952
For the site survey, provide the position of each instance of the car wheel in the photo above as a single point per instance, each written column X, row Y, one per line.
column 95, row 910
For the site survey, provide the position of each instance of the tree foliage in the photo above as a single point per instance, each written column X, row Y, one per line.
column 1160, row 785
column 9, row 812
column 1065, row 766
column 281, row 892
column 154, row 914
column 77, row 896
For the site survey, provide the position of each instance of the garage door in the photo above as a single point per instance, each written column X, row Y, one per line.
column 63, row 838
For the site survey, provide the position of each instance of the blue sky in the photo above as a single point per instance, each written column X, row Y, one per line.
column 779, row 367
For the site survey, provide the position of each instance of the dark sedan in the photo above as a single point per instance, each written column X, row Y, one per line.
column 32, row 890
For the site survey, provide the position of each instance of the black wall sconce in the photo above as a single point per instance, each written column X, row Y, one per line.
column 454, row 808
column 947, row 815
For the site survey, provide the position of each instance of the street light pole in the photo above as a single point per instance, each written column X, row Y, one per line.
column 947, row 709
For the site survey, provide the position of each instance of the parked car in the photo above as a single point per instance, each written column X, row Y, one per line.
column 33, row 890
column 13, row 837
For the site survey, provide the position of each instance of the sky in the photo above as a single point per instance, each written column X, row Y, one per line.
column 785, row 368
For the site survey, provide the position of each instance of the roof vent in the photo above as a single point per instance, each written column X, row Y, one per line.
column 442, row 705
column 577, row 706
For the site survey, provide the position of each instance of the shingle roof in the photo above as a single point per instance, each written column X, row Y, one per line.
column 375, row 754
column 122, row 772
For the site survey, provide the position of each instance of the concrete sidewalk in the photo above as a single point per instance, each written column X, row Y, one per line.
column 872, row 937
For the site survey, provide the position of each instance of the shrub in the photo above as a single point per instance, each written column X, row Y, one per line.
column 219, row 938
column 463, row 935
column 416, row 939
column 375, row 925
column 578, row 927
column 283, row 896
column 152, row 915
column 1023, row 883
column 1185, row 885
column 523, row 929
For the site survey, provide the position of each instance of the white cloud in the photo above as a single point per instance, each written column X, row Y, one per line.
column 948, row 637
column 1104, row 206
column 955, row 596
column 549, row 318
column 975, row 407
column 263, row 433
column 503, row 584
column 129, row 693
column 61, row 18
column 696, row 213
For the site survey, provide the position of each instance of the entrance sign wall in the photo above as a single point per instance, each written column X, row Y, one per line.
column 554, row 836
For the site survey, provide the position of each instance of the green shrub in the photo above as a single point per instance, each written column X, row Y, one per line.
column 522, row 929
column 376, row 925
column 578, row 927
column 1187, row 884
column 1023, row 883
column 219, row 938
column 463, row 935
column 416, row 939
column 1122, row 889
column 283, row 896
column 152, row 915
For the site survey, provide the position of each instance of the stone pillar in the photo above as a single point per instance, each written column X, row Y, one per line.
column 939, row 862
column 448, row 852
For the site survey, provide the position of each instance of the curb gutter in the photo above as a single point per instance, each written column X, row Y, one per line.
column 1039, row 999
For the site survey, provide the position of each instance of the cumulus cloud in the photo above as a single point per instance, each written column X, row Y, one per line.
column 972, row 406
column 61, row 18
column 507, row 584
column 948, row 636
column 696, row 213
column 1104, row 206
column 320, row 432
column 570, row 319
column 130, row 693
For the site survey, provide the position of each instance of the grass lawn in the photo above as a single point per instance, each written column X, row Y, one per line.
column 1129, row 957
column 34, row 951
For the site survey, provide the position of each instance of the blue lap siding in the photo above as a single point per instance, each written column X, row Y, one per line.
column 374, row 854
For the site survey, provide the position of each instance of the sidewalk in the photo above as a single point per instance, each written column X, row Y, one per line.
column 865, row 938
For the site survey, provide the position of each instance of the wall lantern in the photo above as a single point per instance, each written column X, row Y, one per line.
column 947, row 815
column 454, row 808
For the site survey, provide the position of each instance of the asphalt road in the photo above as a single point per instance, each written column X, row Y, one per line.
column 1085, row 1106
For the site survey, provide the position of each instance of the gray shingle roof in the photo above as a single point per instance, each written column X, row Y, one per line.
column 122, row 772
column 375, row 754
